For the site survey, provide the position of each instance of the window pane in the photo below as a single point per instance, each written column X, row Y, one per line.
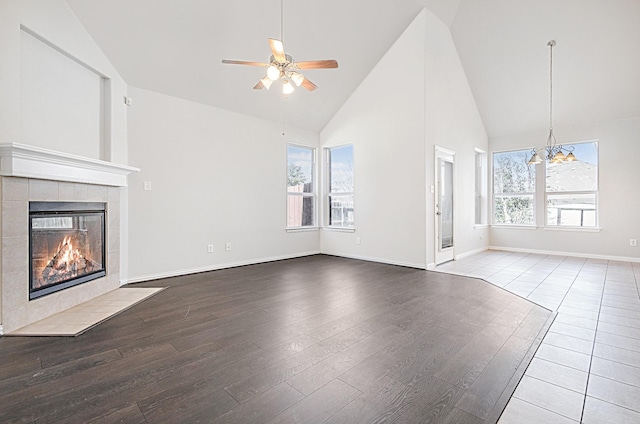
column 575, row 210
column 513, row 209
column 512, row 174
column 300, row 169
column 341, row 210
column 480, row 188
column 341, row 169
column 579, row 175
column 300, row 211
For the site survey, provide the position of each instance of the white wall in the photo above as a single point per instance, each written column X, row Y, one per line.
column 452, row 122
column 618, row 200
column 384, row 119
column 416, row 97
column 216, row 176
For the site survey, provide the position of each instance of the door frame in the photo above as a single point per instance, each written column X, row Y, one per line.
column 448, row 254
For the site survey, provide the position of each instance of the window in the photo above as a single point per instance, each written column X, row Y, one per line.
column 301, row 191
column 340, row 179
column 481, row 187
column 572, row 188
column 514, row 186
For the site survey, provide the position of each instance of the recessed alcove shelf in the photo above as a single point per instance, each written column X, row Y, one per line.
column 20, row 160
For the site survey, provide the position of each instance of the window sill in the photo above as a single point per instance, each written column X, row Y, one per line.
column 340, row 229
column 480, row 226
column 301, row 229
column 514, row 227
column 578, row 229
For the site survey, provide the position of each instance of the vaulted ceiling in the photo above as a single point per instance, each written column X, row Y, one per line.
column 175, row 47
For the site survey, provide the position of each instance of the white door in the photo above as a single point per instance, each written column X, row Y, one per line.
column 445, row 242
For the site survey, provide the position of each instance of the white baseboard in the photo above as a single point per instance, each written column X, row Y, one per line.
column 1, row 331
column 457, row 257
column 471, row 252
column 374, row 259
column 177, row 273
column 570, row 254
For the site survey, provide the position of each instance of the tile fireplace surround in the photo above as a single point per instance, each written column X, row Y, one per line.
column 17, row 189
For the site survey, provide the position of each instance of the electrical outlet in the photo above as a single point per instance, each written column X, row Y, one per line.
column 358, row 240
column 147, row 185
column 227, row 246
column 633, row 242
column 209, row 248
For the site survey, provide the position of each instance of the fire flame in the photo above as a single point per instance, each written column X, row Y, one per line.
column 67, row 257
column 67, row 263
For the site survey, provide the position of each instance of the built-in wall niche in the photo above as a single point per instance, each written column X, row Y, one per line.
column 63, row 100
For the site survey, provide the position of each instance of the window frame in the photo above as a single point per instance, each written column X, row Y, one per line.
column 328, row 193
column 313, row 194
column 595, row 193
column 494, row 195
column 480, row 195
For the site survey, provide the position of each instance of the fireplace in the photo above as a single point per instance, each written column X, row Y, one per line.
column 66, row 245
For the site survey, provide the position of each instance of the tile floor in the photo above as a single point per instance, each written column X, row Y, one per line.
column 587, row 369
column 82, row 317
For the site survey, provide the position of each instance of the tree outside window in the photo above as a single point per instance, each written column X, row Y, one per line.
column 301, row 191
column 340, row 179
column 514, row 186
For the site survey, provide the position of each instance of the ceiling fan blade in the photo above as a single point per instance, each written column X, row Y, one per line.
column 258, row 86
column 308, row 84
column 242, row 62
column 277, row 48
column 317, row 64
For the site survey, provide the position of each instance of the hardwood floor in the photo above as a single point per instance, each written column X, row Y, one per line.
column 319, row 339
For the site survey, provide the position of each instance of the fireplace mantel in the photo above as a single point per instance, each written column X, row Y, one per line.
column 20, row 160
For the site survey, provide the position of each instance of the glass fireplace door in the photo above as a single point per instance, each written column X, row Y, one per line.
column 67, row 245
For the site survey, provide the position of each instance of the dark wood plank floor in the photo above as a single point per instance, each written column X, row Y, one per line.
column 311, row 340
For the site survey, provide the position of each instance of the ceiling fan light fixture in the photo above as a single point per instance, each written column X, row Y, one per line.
column 287, row 87
column 273, row 73
column 297, row 78
column 282, row 66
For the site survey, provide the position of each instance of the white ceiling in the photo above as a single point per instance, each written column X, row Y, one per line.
column 176, row 47
column 596, row 62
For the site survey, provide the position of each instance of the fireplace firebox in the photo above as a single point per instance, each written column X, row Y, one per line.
column 66, row 245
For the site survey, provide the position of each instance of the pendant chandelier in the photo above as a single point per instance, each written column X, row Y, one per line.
column 552, row 152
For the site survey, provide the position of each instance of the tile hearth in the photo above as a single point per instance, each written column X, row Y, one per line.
column 81, row 318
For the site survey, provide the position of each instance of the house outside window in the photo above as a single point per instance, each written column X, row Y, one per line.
column 301, row 187
column 514, row 187
column 340, row 186
column 571, row 195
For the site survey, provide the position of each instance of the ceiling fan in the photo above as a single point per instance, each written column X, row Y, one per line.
column 282, row 66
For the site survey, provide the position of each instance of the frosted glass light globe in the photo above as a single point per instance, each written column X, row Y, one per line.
column 273, row 72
